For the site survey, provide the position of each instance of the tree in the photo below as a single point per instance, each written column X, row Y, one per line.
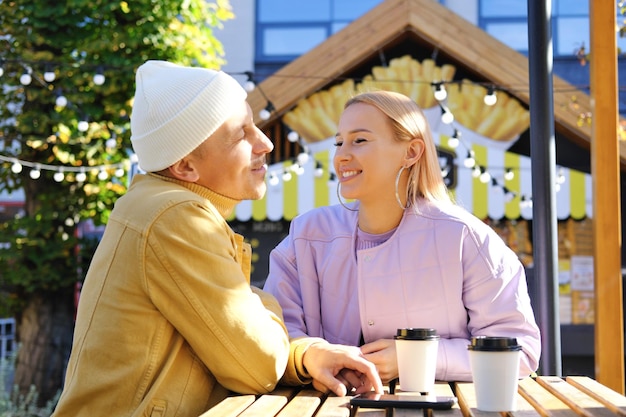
column 65, row 141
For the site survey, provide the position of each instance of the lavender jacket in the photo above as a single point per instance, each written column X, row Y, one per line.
column 442, row 268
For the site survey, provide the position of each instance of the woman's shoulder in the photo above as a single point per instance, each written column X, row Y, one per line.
column 451, row 214
column 324, row 221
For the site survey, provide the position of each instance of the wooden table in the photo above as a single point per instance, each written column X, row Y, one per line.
column 541, row 396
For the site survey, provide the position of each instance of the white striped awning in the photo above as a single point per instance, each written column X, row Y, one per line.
column 288, row 197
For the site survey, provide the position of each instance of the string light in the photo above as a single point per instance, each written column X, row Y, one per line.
column 61, row 101
column 490, row 98
column 17, row 166
column 35, row 173
column 81, row 176
column 319, row 170
column 454, row 140
column 267, row 111
column 446, row 115
column 26, row 78
column 293, row 136
column 49, row 76
column 99, row 78
column 440, row 91
column 249, row 85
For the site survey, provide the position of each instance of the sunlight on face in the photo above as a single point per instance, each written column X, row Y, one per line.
column 367, row 157
column 232, row 160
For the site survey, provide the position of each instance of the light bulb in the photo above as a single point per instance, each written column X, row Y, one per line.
column 99, row 79
column 16, row 168
column 58, row 176
column 26, row 79
column 102, row 175
column 440, row 93
column 83, row 126
column 453, row 142
column 319, row 171
column 249, row 86
column 1, row 71
column 303, row 158
column 61, row 101
column 273, row 180
column 293, row 136
column 447, row 117
column 490, row 99
column 35, row 173
column 264, row 114
column 49, row 76
column 119, row 172
column 81, row 176
column 509, row 175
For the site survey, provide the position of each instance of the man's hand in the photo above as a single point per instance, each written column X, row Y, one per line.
column 340, row 369
column 382, row 353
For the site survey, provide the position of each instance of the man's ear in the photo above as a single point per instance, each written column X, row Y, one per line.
column 184, row 170
column 414, row 151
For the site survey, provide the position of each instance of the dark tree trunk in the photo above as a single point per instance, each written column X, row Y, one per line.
column 44, row 334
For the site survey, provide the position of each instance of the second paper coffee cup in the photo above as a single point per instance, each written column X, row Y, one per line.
column 495, row 371
column 417, row 358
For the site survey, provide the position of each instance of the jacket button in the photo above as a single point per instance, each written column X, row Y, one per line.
column 370, row 323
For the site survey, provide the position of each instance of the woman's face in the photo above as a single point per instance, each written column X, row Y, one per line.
column 367, row 157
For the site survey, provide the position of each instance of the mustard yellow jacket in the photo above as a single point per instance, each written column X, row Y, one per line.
column 167, row 320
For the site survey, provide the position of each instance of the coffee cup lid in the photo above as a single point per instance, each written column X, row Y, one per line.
column 416, row 334
column 494, row 343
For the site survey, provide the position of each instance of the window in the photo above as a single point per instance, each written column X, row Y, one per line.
column 288, row 29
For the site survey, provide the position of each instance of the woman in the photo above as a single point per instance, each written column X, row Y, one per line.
column 402, row 255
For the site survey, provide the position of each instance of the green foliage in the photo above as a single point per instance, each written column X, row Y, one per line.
column 77, row 39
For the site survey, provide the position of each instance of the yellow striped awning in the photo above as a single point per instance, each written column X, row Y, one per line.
column 291, row 192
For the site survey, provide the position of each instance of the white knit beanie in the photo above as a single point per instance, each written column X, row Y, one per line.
column 177, row 108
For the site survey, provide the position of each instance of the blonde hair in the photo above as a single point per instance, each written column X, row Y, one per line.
column 408, row 122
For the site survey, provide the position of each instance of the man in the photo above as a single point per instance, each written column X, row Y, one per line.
column 168, row 323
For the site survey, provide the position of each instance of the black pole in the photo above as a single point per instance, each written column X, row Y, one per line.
column 543, row 159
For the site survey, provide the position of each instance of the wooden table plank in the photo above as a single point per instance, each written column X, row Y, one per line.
column 370, row 412
column 467, row 402
column 230, row 406
column 305, row 404
column 577, row 400
column 613, row 400
column 546, row 404
column 335, row 407
column 269, row 404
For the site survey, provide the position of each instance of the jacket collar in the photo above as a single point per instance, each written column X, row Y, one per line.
column 223, row 204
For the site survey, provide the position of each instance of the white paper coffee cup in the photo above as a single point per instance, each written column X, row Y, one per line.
column 495, row 371
column 417, row 358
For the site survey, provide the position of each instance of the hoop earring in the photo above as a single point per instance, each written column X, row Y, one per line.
column 408, row 204
column 340, row 201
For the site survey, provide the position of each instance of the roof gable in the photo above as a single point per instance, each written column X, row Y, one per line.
column 443, row 31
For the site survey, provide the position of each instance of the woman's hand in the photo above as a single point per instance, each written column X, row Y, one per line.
column 382, row 353
column 340, row 369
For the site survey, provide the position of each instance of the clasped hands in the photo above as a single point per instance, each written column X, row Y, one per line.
column 349, row 369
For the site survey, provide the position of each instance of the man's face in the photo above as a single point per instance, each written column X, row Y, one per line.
column 231, row 162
